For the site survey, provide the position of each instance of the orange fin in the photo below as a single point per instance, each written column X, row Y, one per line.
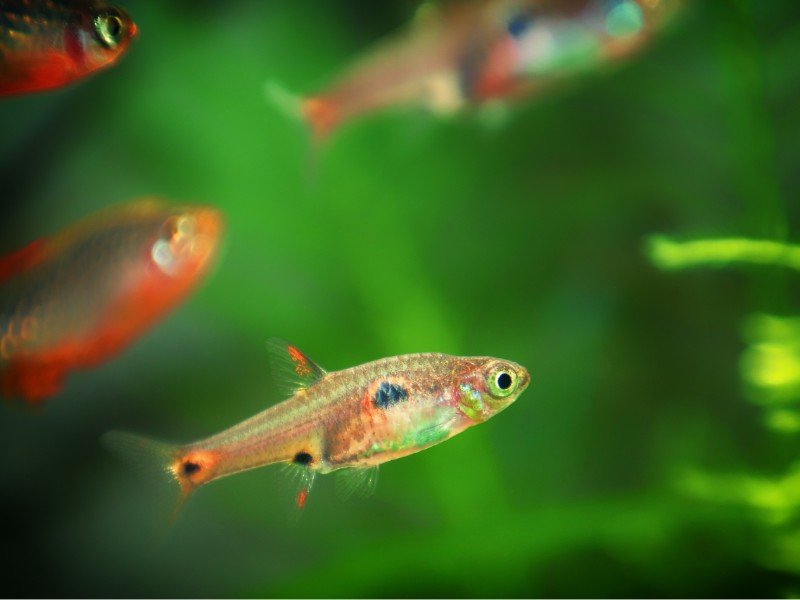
column 321, row 116
column 291, row 369
column 21, row 260
column 31, row 379
column 300, row 480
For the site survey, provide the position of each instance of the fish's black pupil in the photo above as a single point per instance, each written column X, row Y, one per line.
column 190, row 468
column 504, row 381
column 114, row 26
column 302, row 458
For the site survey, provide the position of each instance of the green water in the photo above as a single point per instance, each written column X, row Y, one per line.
column 409, row 233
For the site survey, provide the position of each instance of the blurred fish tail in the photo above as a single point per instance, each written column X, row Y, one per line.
column 318, row 113
column 153, row 458
column 321, row 115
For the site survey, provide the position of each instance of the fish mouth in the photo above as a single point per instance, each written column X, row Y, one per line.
column 524, row 378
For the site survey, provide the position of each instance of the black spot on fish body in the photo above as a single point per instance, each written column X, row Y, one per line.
column 190, row 468
column 302, row 458
column 389, row 394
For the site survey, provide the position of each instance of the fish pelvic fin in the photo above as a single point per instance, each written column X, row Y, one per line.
column 159, row 460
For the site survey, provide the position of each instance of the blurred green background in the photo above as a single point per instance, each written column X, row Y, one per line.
column 413, row 233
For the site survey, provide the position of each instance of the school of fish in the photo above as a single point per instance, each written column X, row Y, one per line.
column 76, row 299
column 471, row 53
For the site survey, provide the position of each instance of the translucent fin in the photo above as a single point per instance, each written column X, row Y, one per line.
column 154, row 460
column 319, row 114
column 356, row 482
column 288, row 103
column 301, row 480
column 291, row 369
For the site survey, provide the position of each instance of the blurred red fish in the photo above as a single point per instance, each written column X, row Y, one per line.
column 46, row 44
column 75, row 300
column 467, row 53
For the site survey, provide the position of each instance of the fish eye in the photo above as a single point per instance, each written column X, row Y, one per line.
column 502, row 382
column 518, row 24
column 109, row 29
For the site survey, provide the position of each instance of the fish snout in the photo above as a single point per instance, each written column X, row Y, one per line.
column 189, row 241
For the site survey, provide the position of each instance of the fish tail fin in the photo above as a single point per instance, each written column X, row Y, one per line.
column 154, row 458
column 288, row 103
column 318, row 113
column 321, row 116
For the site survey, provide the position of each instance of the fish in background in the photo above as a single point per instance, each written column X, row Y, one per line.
column 351, row 420
column 469, row 53
column 47, row 44
column 75, row 300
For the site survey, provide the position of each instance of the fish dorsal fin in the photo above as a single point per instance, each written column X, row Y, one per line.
column 291, row 369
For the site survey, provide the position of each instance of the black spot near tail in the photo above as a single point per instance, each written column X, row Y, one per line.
column 302, row 458
column 190, row 468
column 389, row 394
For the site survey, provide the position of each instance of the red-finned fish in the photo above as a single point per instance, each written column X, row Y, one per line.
column 78, row 298
column 46, row 44
column 467, row 53
column 353, row 419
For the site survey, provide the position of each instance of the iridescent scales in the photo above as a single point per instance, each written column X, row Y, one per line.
column 354, row 419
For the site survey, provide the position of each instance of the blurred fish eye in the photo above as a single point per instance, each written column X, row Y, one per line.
column 178, row 240
column 109, row 29
column 502, row 382
column 518, row 24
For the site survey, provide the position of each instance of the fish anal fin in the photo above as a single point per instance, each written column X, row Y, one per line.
column 21, row 260
column 299, row 481
column 356, row 481
column 32, row 379
column 291, row 369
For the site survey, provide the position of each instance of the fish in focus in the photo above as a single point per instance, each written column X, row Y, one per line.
column 468, row 53
column 354, row 419
column 76, row 299
column 47, row 44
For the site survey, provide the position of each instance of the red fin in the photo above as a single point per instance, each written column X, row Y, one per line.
column 21, row 260
column 321, row 116
column 302, row 496
column 291, row 369
column 32, row 380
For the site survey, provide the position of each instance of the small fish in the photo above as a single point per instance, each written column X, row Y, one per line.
column 77, row 299
column 355, row 419
column 468, row 53
column 47, row 44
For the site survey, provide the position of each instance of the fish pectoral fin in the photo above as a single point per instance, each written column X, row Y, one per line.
column 291, row 369
column 361, row 482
